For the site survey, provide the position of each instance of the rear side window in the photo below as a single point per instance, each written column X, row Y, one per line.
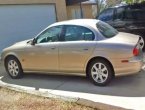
column 107, row 15
column 106, row 30
column 135, row 13
column 78, row 33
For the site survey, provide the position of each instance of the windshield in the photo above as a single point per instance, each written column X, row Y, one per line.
column 107, row 30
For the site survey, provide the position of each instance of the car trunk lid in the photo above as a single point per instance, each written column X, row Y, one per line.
column 124, row 38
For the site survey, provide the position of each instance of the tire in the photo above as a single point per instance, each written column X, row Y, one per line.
column 13, row 67
column 100, row 72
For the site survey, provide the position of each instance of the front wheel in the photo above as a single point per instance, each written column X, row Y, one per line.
column 100, row 72
column 13, row 67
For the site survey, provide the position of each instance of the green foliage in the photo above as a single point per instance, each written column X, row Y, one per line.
column 101, row 5
column 132, row 1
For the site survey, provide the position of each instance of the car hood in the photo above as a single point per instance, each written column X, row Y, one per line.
column 124, row 38
column 18, row 45
column 22, row 42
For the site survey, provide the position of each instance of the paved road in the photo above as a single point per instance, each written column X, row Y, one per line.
column 129, row 86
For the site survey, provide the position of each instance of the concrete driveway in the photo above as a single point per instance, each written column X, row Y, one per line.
column 128, row 86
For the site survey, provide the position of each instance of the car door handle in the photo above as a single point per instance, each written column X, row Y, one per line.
column 85, row 49
column 53, row 48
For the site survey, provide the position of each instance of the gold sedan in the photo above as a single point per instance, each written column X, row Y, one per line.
column 81, row 47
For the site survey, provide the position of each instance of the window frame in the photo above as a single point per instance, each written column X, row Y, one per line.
column 62, row 37
column 37, row 37
column 115, row 13
column 106, row 36
column 104, row 12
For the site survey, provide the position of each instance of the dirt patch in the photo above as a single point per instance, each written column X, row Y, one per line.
column 12, row 100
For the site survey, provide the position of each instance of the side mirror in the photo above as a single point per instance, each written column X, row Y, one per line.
column 33, row 41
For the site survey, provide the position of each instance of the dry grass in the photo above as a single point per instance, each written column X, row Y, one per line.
column 11, row 100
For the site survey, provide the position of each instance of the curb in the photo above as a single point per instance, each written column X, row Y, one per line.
column 98, row 105
column 48, row 93
column 41, row 92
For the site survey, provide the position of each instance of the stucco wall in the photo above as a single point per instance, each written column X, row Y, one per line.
column 87, row 9
column 60, row 5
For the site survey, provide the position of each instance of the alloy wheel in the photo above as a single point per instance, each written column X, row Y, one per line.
column 13, row 68
column 99, row 72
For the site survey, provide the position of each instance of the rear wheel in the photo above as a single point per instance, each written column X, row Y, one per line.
column 100, row 72
column 13, row 67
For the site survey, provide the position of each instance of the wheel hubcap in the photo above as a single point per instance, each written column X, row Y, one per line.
column 13, row 68
column 99, row 72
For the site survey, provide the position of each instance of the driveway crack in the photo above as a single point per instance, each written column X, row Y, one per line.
column 59, row 86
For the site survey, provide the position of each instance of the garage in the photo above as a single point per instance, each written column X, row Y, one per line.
column 20, row 22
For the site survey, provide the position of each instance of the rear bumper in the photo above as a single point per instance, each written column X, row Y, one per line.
column 134, row 66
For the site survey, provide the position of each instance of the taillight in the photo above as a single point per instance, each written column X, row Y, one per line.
column 135, row 51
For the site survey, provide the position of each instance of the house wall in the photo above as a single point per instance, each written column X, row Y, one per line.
column 61, row 12
column 87, row 10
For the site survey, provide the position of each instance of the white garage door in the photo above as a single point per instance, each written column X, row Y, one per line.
column 20, row 22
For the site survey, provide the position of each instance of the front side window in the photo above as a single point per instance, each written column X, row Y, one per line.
column 106, row 30
column 120, row 13
column 49, row 35
column 77, row 33
column 107, row 15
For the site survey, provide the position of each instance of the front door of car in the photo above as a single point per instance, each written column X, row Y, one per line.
column 43, row 56
column 76, row 47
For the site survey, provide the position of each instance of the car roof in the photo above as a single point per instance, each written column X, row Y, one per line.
column 80, row 22
column 135, row 5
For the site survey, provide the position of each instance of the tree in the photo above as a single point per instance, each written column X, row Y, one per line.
column 132, row 1
column 103, row 4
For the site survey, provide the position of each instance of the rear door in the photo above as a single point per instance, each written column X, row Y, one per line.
column 76, row 47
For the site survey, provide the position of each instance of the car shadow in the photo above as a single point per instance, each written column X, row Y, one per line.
column 128, row 86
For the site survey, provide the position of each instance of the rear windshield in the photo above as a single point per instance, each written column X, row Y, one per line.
column 106, row 30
